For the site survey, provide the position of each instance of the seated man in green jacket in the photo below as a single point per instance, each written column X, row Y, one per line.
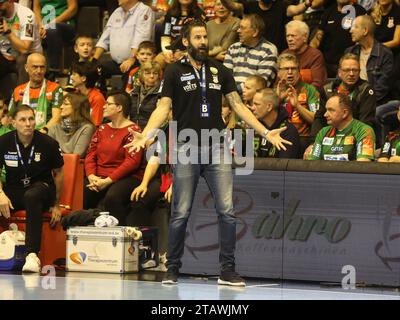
column 345, row 138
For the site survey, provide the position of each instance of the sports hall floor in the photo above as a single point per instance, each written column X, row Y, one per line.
column 147, row 286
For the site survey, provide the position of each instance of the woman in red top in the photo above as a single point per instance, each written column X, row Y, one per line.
column 112, row 172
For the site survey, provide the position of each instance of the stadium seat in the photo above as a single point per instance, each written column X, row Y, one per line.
column 54, row 240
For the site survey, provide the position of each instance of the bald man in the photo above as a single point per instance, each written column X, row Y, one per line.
column 376, row 60
column 43, row 96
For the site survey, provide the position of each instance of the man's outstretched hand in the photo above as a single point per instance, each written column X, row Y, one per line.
column 138, row 142
column 274, row 136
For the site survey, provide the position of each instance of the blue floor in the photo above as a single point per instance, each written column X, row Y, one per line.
column 147, row 286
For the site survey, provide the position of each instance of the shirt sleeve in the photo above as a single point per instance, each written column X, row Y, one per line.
column 144, row 28
column 57, row 160
column 131, row 162
column 104, row 41
column 27, row 27
column 97, row 105
column 83, row 140
column 316, row 152
column 91, row 156
column 267, row 68
column 168, row 84
column 228, row 82
column 312, row 99
column 166, row 30
column 366, row 143
column 57, row 98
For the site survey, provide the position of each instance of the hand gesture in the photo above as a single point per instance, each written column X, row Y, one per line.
column 274, row 136
column 281, row 90
column 5, row 205
column 102, row 184
column 139, row 141
column 92, row 182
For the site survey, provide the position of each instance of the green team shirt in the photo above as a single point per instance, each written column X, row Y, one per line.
column 391, row 147
column 59, row 6
column 356, row 141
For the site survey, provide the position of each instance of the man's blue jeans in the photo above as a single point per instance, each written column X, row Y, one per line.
column 218, row 175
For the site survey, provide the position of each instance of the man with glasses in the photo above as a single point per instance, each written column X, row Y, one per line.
column 252, row 54
column 362, row 95
column 301, row 100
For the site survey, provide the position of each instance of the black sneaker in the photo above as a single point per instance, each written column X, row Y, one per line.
column 231, row 278
column 171, row 276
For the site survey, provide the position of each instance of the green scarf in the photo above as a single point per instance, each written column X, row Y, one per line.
column 41, row 108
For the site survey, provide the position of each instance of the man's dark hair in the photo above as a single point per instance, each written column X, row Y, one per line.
column 344, row 102
column 187, row 28
column 20, row 108
column 88, row 69
column 123, row 99
column 148, row 45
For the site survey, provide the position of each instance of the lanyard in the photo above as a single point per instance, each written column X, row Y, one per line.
column 202, row 82
column 20, row 155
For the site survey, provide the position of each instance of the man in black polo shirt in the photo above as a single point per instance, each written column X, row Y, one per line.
column 333, row 34
column 30, row 159
column 194, row 87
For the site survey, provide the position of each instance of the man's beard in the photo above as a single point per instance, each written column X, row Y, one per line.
column 198, row 55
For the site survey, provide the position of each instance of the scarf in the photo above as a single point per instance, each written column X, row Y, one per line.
column 41, row 108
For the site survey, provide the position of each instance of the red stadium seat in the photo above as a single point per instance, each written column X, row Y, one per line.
column 54, row 240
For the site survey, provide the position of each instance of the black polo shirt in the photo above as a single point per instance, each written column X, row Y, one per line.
column 274, row 18
column 46, row 156
column 183, row 87
column 337, row 37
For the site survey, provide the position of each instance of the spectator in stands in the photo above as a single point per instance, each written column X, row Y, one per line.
column 180, row 13
column 75, row 130
column 146, row 53
column 266, row 109
column 391, row 147
column 34, row 182
column 84, row 47
column 386, row 15
column 301, row 100
column 310, row 58
column 272, row 12
column 345, row 138
column 361, row 94
column 376, row 60
column 84, row 77
column 222, row 31
column 332, row 36
column 252, row 84
column 145, row 95
column 252, row 54
column 20, row 37
column 309, row 11
column 112, row 172
column 57, row 27
column 43, row 95
column 128, row 26
column 5, row 120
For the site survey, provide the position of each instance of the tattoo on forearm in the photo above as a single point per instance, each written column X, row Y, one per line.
column 233, row 99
